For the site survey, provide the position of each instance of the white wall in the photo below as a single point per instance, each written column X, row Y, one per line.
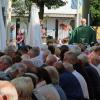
column 50, row 24
column 66, row 9
column 51, row 27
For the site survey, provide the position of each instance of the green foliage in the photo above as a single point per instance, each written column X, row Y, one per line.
column 95, row 11
column 19, row 7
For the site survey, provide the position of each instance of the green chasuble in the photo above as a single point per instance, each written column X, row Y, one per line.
column 83, row 34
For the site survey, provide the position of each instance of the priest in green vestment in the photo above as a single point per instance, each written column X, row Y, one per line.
column 83, row 34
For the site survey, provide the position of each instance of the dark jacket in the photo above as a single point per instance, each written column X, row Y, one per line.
column 83, row 72
column 94, row 76
column 71, row 86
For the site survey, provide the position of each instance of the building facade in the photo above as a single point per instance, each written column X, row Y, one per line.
column 53, row 18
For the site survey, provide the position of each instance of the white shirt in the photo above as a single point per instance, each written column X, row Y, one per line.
column 82, row 82
column 98, row 66
column 48, row 92
column 62, row 34
column 37, row 61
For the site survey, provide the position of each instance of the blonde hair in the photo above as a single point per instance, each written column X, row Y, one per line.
column 8, row 90
column 24, row 87
column 53, row 74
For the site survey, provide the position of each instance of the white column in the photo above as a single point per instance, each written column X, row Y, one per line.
column 77, row 19
column 8, row 18
column 88, row 19
column 2, row 30
column 79, row 11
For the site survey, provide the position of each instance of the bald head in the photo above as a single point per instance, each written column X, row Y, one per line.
column 51, row 60
column 83, row 21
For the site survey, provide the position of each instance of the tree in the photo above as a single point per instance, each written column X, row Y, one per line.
column 19, row 7
column 26, row 6
column 95, row 11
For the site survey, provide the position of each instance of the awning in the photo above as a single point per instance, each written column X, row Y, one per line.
column 59, row 15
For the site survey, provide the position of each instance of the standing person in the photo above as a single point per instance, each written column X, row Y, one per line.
column 83, row 34
column 12, row 35
column 43, row 34
column 63, row 33
column 20, row 39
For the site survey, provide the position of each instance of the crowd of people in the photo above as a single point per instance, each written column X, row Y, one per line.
column 52, row 72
